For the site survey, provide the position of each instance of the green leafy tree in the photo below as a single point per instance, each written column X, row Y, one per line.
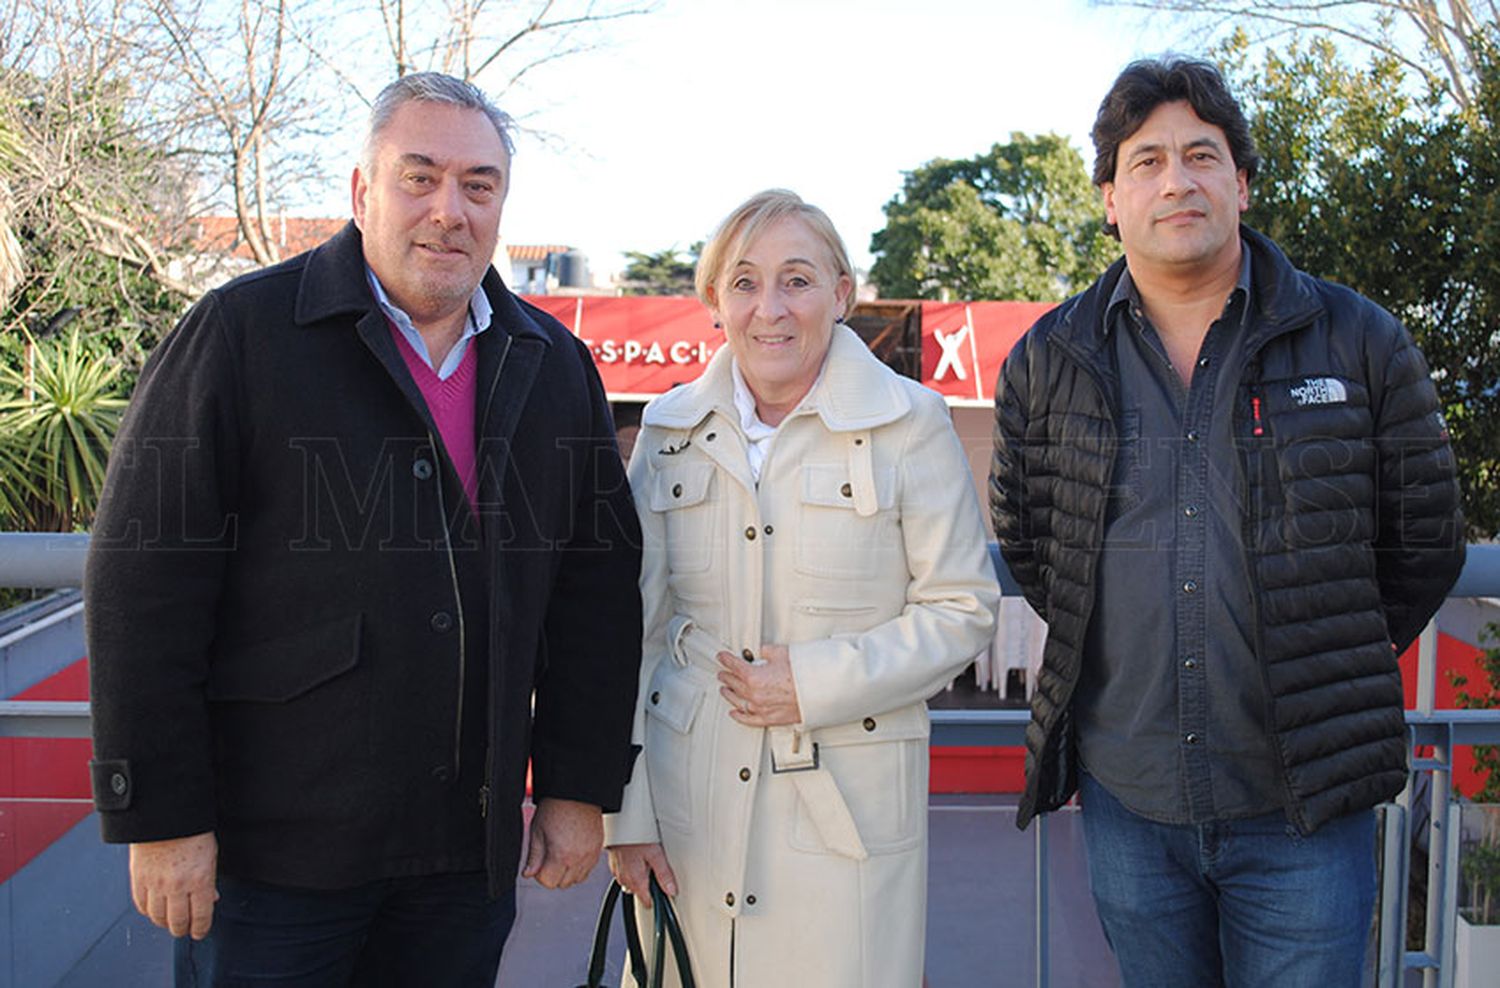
column 1020, row 222
column 662, row 272
column 1397, row 196
column 1483, row 695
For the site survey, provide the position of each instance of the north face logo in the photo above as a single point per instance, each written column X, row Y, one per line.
column 1320, row 391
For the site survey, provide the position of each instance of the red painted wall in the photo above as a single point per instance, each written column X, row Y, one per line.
column 44, row 782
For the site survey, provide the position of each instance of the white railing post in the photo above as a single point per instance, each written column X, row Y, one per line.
column 1391, row 940
column 1043, row 952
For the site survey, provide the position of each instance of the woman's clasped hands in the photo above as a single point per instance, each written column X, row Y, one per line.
column 760, row 692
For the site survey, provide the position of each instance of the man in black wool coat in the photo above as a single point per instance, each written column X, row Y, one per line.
column 365, row 549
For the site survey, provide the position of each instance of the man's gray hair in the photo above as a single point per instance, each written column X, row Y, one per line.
column 432, row 87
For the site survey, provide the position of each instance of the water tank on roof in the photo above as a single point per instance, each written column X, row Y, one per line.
column 573, row 269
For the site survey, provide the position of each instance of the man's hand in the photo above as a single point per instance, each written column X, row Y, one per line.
column 760, row 694
column 566, row 837
column 632, row 864
column 172, row 883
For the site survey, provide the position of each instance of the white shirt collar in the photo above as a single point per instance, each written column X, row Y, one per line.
column 744, row 402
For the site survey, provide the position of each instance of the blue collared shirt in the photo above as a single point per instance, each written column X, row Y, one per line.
column 480, row 314
column 1171, row 702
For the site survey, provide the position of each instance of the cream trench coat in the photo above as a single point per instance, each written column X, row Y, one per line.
column 801, row 852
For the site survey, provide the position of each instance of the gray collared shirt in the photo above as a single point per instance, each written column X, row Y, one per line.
column 1171, row 704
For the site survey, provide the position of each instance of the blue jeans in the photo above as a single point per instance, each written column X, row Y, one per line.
column 1237, row 903
column 432, row 930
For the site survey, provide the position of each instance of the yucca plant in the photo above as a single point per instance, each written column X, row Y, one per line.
column 58, row 417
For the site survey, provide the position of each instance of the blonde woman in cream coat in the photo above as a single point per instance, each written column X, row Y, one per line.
column 815, row 568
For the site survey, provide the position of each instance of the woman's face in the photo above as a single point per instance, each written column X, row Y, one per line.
column 777, row 303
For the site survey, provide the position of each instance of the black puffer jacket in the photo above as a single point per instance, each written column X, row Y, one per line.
column 1352, row 526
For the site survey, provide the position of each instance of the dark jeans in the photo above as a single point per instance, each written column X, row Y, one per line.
column 434, row 930
column 1246, row 903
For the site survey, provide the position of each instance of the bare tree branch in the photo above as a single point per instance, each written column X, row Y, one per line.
column 538, row 26
column 132, row 247
column 1447, row 29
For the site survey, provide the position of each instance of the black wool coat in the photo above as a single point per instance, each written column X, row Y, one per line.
column 1351, row 529
column 276, row 589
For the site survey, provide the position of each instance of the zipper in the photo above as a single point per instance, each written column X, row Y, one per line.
column 1111, row 401
column 463, row 651
column 458, row 602
column 484, row 785
column 1249, row 534
column 495, row 384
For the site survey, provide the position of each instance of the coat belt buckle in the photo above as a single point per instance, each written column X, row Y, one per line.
column 809, row 767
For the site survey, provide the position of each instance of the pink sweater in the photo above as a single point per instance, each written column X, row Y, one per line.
column 451, row 404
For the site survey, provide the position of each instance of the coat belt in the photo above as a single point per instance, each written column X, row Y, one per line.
column 792, row 754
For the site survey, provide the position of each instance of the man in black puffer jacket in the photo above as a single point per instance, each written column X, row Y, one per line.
column 1227, row 487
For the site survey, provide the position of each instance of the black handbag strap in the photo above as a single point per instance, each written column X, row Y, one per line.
column 667, row 916
column 666, row 932
column 601, row 938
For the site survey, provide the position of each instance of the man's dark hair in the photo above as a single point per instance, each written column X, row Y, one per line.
column 1148, row 83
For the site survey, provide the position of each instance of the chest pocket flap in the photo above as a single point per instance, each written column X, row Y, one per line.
column 681, row 485
column 834, row 485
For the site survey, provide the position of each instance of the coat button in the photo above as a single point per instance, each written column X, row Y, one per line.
column 677, row 490
column 1191, row 738
column 750, row 533
column 859, row 442
column 441, row 773
column 656, row 696
column 711, row 436
column 747, row 655
column 744, row 775
column 118, row 784
column 769, row 529
column 1191, row 511
column 749, row 900
column 441, row 622
column 1190, row 663
column 846, row 490
column 869, row 723
column 729, row 898
column 1192, row 435
column 422, row 469
column 1190, row 586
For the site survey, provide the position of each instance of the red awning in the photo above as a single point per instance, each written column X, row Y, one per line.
column 644, row 345
column 964, row 344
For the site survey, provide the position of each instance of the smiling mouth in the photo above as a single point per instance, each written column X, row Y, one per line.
column 442, row 250
column 773, row 340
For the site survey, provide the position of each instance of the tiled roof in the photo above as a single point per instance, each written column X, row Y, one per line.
column 534, row 252
column 295, row 234
column 291, row 234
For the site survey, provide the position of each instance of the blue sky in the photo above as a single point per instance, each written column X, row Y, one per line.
column 693, row 108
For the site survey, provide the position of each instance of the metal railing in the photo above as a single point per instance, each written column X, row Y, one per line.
column 48, row 560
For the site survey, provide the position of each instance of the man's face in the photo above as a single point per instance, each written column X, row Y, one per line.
column 1177, row 195
column 429, row 208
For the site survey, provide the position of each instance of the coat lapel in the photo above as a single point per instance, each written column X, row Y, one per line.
column 375, row 332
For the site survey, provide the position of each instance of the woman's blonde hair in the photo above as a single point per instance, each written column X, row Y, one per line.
column 747, row 222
